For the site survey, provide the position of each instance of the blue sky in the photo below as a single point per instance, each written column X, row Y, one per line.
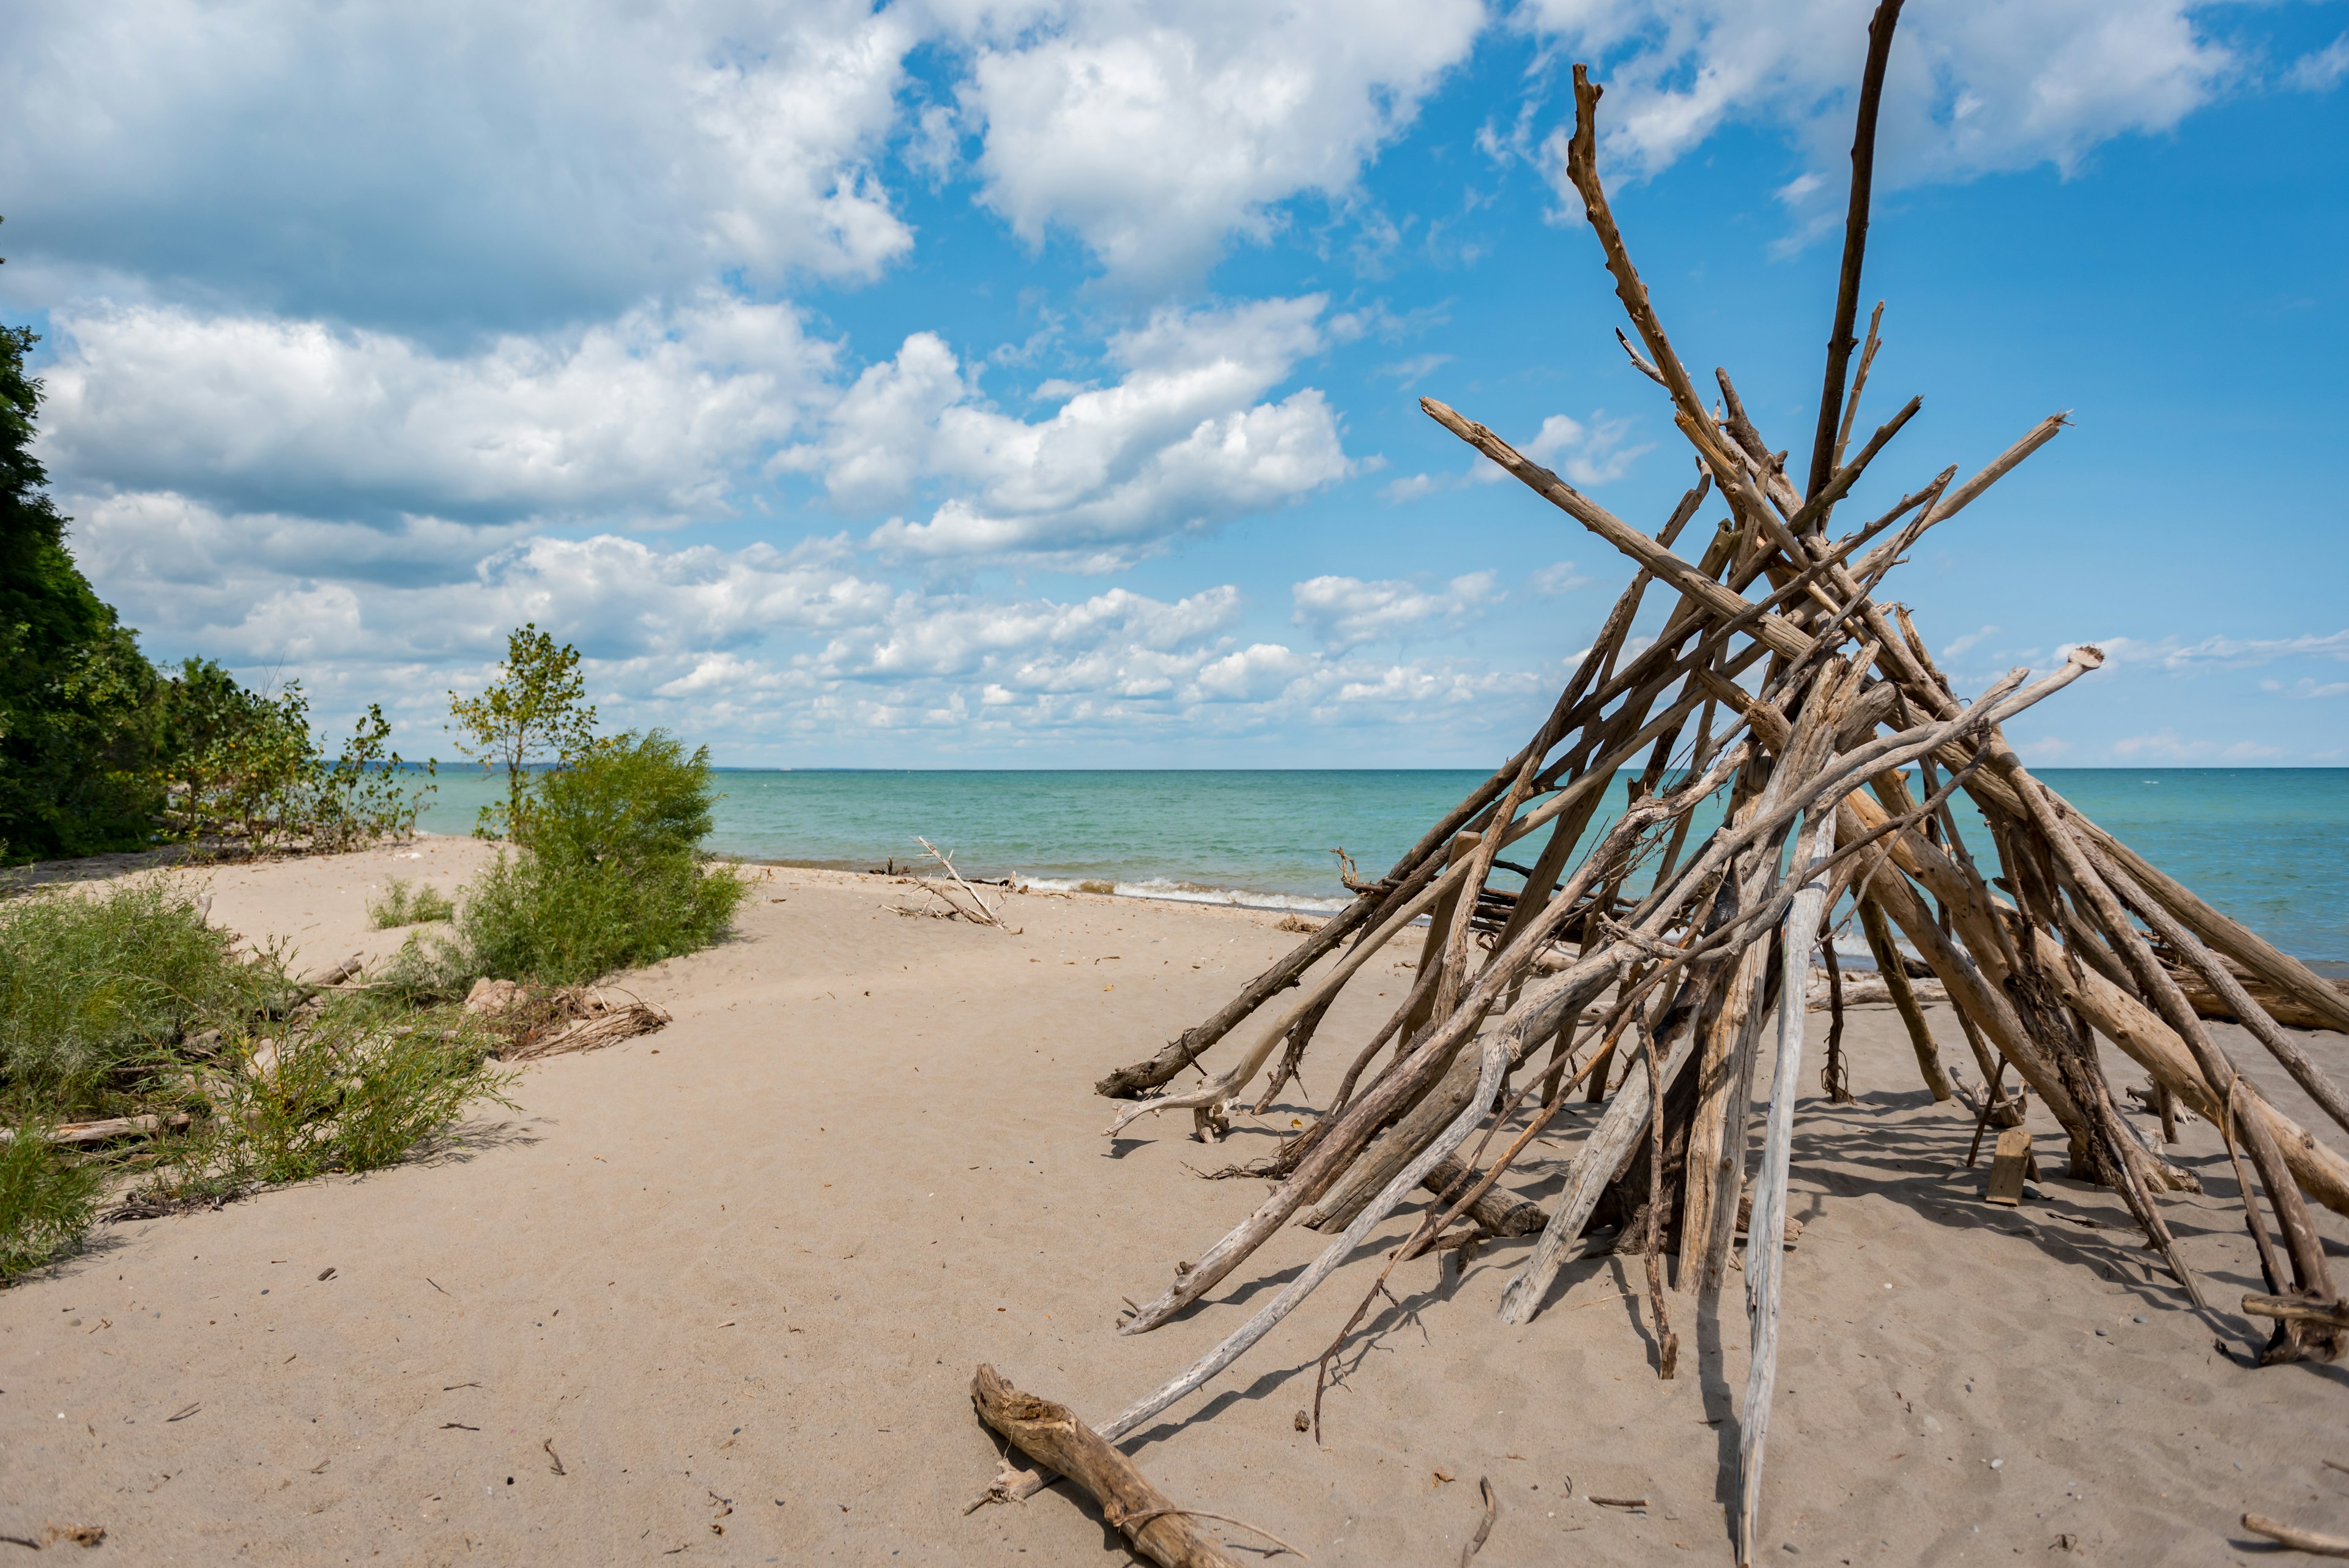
column 1035, row 384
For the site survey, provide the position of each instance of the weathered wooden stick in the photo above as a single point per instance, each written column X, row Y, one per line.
column 2112, row 1011
column 2239, row 942
column 1773, row 630
column 2309, row 1541
column 2298, row 1309
column 1904, row 998
column 1186, row 1047
column 1228, row 1084
column 1392, row 1148
column 1972, row 989
column 1836, row 1076
column 1814, row 512
column 2169, row 928
column 1859, row 380
column 1445, row 918
column 986, row 914
column 1495, row 1059
column 1300, row 1035
column 1765, row 1264
column 1493, row 1213
column 2236, row 941
column 1600, row 1159
column 1855, row 242
column 1481, row 1194
column 2306, row 1250
column 2142, row 1035
column 100, row 1131
column 2284, row 1009
column 1713, row 1165
column 1364, row 1116
column 1721, row 1236
column 1668, row 1343
column 1052, row 1435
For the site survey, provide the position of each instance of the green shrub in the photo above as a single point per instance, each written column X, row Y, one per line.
column 608, row 877
column 530, row 920
column 92, row 982
column 632, row 799
column 121, row 999
column 47, row 1198
column 402, row 905
column 353, row 1087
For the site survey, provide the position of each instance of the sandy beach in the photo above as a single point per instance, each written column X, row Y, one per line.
column 718, row 1293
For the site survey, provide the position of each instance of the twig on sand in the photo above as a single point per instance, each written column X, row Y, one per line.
column 1484, row 1525
column 2299, row 1539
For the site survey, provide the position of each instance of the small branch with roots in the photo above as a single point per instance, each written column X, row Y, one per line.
column 982, row 914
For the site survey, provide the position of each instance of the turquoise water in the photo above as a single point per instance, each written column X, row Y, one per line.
column 2269, row 846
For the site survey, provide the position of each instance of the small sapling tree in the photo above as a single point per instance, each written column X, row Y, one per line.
column 532, row 711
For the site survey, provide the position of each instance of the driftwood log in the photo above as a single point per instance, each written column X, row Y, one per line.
column 1053, row 1436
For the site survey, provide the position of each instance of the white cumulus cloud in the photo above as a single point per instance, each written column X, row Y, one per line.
column 1345, row 612
column 1152, row 132
column 1971, row 89
column 402, row 164
column 1179, row 443
column 647, row 415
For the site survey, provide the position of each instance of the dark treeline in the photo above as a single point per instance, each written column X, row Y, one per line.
column 101, row 750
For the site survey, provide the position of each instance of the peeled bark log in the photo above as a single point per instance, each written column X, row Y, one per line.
column 1052, row 1435
column 1764, row 1263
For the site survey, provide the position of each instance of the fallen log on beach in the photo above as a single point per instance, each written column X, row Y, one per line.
column 1053, row 1436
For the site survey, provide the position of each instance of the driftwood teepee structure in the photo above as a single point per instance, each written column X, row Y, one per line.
column 1648, row 967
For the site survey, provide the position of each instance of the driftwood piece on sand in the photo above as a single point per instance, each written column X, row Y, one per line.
column 596, row 1023
column 1897, row 985
column 2298, row 1309
column 1052, row 1435
column 111, row 1127
column 984, row 915
column 2309, row 1541
column 2009, row 1168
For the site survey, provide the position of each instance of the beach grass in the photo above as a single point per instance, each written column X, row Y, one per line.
column 403, row 904
column 358, row 1086
column 93, row 984
column 48, row 1196
column 123, row 1001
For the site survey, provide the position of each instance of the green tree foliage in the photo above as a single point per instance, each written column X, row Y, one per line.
column 77, row 697
column 242, row 767
column 530, row 711
column 99, row 752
